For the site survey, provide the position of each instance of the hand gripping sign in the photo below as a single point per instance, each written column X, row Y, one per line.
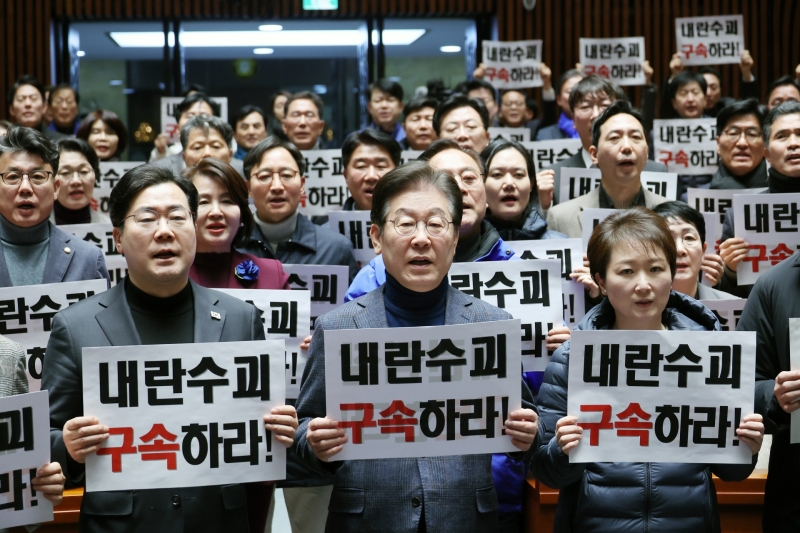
column 325, row 188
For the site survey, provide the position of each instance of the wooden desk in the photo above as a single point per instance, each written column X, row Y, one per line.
column 739, row 504
column 65, row 516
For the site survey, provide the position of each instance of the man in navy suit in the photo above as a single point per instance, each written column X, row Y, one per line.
column 33, row 250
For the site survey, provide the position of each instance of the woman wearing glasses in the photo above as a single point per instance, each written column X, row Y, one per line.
column 78, row 167
column 224, row 220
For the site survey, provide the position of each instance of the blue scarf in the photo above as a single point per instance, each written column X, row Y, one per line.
column 566, row 125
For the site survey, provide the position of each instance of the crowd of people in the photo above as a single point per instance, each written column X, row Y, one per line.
column 220, row 209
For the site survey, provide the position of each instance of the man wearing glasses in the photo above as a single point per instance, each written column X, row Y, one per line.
column 34, row 251
column 740, row 146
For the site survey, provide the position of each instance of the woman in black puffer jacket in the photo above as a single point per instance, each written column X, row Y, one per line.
column 632, row 257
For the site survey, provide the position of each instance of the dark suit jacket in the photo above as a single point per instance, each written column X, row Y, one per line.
column 83, row 260
column 105, row 320
column 550, row 133
column 457, row 492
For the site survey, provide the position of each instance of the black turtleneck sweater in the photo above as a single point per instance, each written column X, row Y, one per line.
column 65, row 216
column 782, row 184
column 471, row 250
column 407, row 308
column 162, row 320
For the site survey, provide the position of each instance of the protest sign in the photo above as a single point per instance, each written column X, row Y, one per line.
column 590, row 218
column 768, row 223
column 529, row 290
column 794, row 362
column 728, row 311
column 545, row 154
column 27, row 312
column 710, row 40
column 661, row 183
column 110, row 174
column 661, row 396
column 686, row 146
column 414, row 392
column 288, row 319
column 327, row 285
column 715, row 201
column 102, row 236
column 355, row 226
column 169, row 124
column 570, row 253
column 325, row 186
column 576, row 182
column 619, row 59
column 512, row 64
column 184, row 415
column 511, row 134
column 24, row 448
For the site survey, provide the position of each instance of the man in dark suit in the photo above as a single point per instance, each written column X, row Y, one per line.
column 33, row 250
column 153, row 215
column 564, row 128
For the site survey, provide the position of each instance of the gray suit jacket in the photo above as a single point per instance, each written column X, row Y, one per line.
column 105, row 320
column 13, row 378
column 567, row 217
column 457, row 492
column 68, row 259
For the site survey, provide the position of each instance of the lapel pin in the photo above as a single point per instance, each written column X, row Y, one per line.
column 216, row 316
column 67, row 250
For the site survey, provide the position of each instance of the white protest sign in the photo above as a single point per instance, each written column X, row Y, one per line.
column 570, row 253
column 794, row 363
column 410, row 155
column 710, row 40
column 619, row 59
column 661, row 396
column 661, row 183
column 327, row 285
column 545, row 154
column 286, row 316
column 715, row 201
column 169, row 124
column 355, row 226
column 110, row 173
column 577, row 181
column 511, row 134
column 184, row 415
column 686, row 146
column 728, row 311
column 24, row 448
column 513, row 64
column 102, row 236
column 529, row 290
column 325, row 186
column 27, row 312
column 423, row 392
column 590, row 218
column 768, row 223
column 713, row 227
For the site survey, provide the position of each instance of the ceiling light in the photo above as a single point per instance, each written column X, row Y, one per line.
column 80, row 53
column 450, row 49
column 270, row 27
column 397, row 37
column 263, row 51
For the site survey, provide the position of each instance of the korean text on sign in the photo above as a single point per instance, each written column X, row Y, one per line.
column 768, row 223
column 715, row 201
column 24, row 448
column 102, row 236
column 655, row 396
column 184, row 415
column 728, row 312
column 529, row 290
column 327, row 285
column 710, row 40
column 545, row 154
column 512, row 134
column 686, row 146
column 618, row 59
column 355, row 226
column 169, row 124
column 110, row 174
column 325, row 186
column 513, row 64
column 422, row 392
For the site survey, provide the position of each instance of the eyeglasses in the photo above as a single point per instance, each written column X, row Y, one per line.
column 36, row 177
column 513, row 104
column 407, row 226
column 287, row 175
column 689, row 241
column 734, row 134
column 469, row 178
column 84, row 174
column 587, row 109
column 147, row 219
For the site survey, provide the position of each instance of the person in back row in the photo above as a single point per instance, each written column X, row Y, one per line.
column 464, row 120
column 740, row 146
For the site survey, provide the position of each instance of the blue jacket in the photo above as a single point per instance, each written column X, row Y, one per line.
column 627, row 497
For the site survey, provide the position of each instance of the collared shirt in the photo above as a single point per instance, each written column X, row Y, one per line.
column 607, row 203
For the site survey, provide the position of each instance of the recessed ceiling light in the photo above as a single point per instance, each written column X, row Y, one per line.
column 270, row 27
column 263, row 51
column 80, row 53
column 450, row 49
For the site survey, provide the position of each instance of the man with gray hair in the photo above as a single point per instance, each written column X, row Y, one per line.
column 203, row 136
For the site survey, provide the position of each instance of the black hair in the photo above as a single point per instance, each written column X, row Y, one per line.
column 24, row 80
column 571, row 73
column 392, row 88
column 22, row 139
column 60, row 87
column 685, row 77
column 140, row 178
column 111, row 120
column 304, row 95
column 751, row 106
column 498, row 145
column 440, row 145
column 709, row 70
column 619, row 107
column 79, row 146
column 476, row 84
column 780, row 82
column 418, row 103
column 595, row 84
column 282, row 92
column 456, row 102
column 370, row 137
column 786, row 108
column 256, row 153
column 243, row 112
column 194, row 88
column 684, row 212
column 192, row 99
column 205, row 122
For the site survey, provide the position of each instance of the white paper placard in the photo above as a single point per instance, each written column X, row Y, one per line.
column 327, row 285
column 590, row 218
column 326, row 189
column 728, row 311
column 710, row 40
column 355, row 226
column 513, row 64
column 110, row 174
column 661, row 396
column 398, row 391
column 184, row 415
column 511, row 134
column 576, row 181
column 715, row 201
column 661, row 183
column 169, row 124
column 545, row 154
column 686, row 146
column 529, row 290
column 410, row 155
column 619, row 59
column 794, row 362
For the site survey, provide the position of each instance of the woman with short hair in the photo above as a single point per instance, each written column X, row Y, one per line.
column 105, row 132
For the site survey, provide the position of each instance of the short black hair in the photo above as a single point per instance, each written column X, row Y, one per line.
column 60, row 87
column 24, row 80
column 786, row 108
column 392, row 88
column 79, row 146
column 619, row 107
column 440, row 145
column 478, row 83
column 192, row 99
column 500, row 144
column 685, row 212
column 456, row 102
column 205, row 122
column 420, row 102
column 751, row 106
column 371, row 137
column 595, row 84
column 22, row 139
column 256, row 153
column 194, row 88
column 780, row 82
column 140, row 178
column 304, row 95
column 571, row 73
column 243, row 112
column 685, row 77
column 710, row 70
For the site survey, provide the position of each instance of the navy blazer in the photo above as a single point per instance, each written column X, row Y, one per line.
column 455, row 493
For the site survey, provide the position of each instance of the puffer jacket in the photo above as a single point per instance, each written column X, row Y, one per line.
column 533, row 227
column 627, row 497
